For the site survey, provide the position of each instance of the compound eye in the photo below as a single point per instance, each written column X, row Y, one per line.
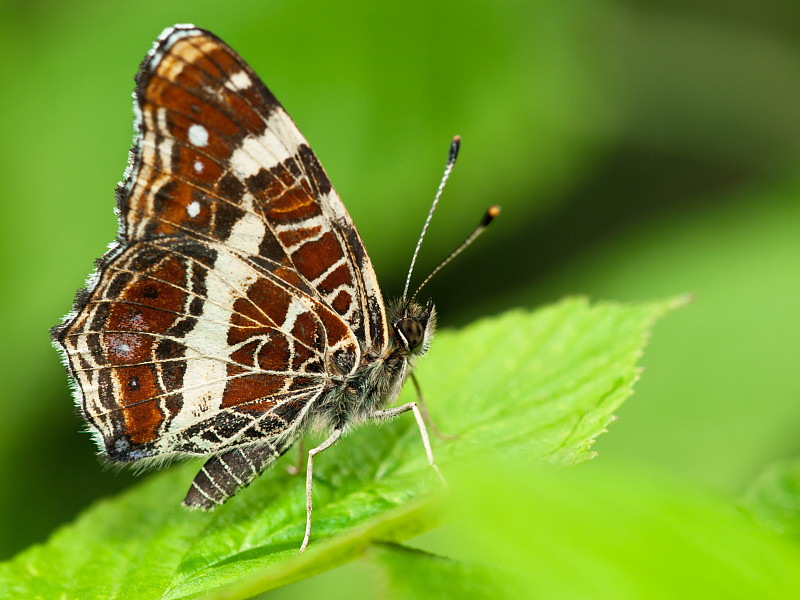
column 411, row 331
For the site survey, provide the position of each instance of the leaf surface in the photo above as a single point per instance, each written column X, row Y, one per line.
column 592, row 533
column 773, row 499
column 537, row 386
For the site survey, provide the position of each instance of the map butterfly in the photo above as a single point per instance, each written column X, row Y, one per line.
column 237, row 306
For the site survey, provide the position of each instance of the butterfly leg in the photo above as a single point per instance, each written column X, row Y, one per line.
column 426, row 416
column 225, row 474
column 390, row 413
column 309, row 480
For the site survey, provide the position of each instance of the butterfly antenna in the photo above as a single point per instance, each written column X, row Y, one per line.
column 488, row 217
column 455, row 144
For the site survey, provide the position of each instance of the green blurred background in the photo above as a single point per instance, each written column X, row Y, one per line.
column 638, row 149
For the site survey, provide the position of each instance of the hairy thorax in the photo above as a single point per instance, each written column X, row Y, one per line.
column 377, row 382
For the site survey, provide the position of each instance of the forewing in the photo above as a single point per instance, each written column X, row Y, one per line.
column 220, row 159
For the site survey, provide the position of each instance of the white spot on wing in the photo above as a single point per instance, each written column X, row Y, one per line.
column 193, row 209
column 198, row 135
column 238, row 81
column 198, row 166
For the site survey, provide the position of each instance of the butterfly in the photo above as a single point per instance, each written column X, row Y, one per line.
column 238, row 306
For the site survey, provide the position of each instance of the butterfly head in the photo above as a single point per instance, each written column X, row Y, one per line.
column 413, row 327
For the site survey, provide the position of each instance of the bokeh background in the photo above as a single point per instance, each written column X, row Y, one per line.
column 639, row 149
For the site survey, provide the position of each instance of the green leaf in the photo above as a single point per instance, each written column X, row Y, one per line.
column 539, row 386
column 413, row 573
column 609, row 533
column 773, row 499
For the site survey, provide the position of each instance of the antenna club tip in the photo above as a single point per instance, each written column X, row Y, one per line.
column 491, row 214
column 455, row 144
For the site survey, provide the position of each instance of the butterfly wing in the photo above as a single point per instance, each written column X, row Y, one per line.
column 217, row 147
column 238, row 286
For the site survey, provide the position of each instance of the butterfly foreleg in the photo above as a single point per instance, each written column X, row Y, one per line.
column 390, row 413
column 310, row 477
